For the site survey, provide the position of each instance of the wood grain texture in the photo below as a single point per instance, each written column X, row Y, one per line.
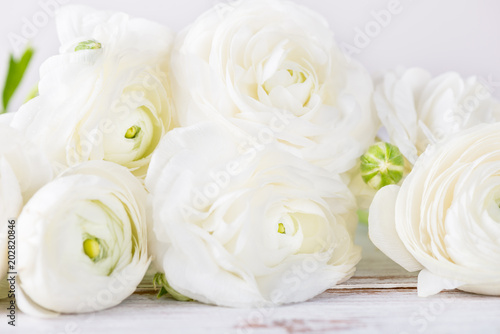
column 380, row 298
column 375, row 270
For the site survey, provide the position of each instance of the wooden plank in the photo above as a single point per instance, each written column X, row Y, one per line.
column 375, row 270
column 339, row 311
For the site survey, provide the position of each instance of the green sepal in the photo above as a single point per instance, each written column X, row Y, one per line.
column 160, row 281
column 88, row 45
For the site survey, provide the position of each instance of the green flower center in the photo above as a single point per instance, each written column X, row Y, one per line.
column 132, row 132
column 92, row 249
column 281, row 228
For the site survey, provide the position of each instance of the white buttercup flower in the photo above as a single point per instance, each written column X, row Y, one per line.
column 417, row 109
column 83, row 241
column 246, row 228
column 106, row 96
column 23, row 170
column 445, row 218
column 273, row 69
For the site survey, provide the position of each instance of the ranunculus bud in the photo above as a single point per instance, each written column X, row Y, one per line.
column 382, row 165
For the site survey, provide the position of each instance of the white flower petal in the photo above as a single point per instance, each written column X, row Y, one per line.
column 483, row 289
column 382, row 228
column 31, row 308
column 430, row 284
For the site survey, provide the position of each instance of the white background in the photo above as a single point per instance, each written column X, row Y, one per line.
column 440, row 35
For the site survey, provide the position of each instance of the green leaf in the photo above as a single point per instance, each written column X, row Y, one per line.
column 17, row 68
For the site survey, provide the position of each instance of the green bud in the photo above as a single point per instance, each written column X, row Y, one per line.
column 88, row 45
column 381, row 165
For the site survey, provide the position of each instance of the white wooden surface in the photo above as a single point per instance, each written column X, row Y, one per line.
column 381, row 298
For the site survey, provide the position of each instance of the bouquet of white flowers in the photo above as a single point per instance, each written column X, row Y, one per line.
column 232, row 160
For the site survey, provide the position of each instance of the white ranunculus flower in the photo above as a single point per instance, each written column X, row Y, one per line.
column 106, row 96
column 23, row 170
column 445, row 218
column 417, row 109
column 83, row 241
column 273, row 69
column 247, row 228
